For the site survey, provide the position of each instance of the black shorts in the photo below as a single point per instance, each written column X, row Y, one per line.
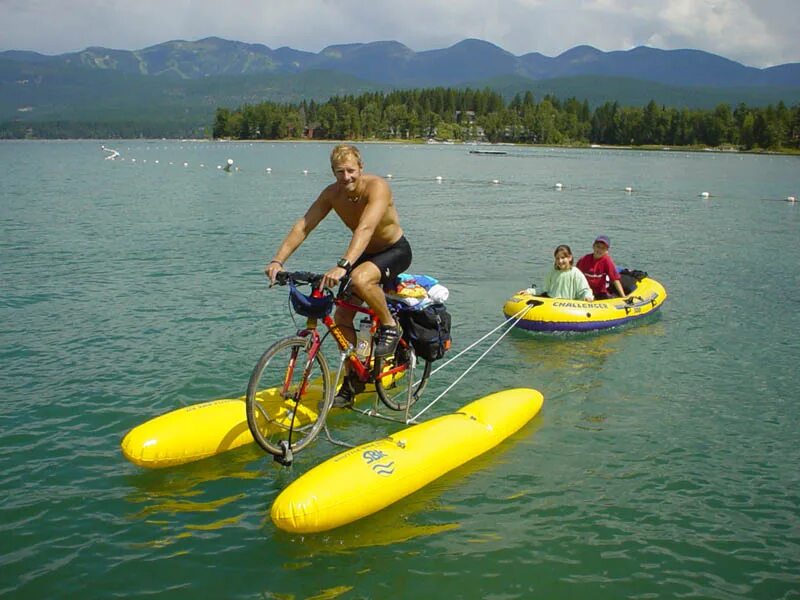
column 391, row 262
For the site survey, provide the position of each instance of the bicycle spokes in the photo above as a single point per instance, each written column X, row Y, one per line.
column 401, row 379
column 288, row 396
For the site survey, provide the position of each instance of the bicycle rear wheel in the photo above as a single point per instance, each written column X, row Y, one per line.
column 400, row 379
column 288, row 397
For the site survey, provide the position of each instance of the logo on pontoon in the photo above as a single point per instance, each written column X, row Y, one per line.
column 386, row 465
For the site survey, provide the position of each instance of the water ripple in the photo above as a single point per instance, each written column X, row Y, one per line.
column 662, row 465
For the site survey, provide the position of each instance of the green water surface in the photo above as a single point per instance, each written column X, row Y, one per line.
column 664, row 463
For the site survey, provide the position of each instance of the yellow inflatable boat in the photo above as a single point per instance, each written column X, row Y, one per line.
column 537, row 313
column 365, row 479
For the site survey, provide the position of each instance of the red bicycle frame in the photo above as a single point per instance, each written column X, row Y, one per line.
column 362, row 369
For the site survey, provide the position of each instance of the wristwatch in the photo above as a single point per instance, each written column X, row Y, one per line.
column 345, row 264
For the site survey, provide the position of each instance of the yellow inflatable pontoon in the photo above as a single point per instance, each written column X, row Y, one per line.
column 365, row 479
column 537, row 313
column 202, row 430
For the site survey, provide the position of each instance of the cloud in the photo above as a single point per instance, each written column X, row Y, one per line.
column 726, row 27
column 754, row 32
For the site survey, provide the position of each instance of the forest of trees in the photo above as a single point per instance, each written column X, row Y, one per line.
column 76, row 129
column 477, row 115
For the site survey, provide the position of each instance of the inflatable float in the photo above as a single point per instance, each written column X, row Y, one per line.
column 194, row 432
column 365, row 479
column 538, row 313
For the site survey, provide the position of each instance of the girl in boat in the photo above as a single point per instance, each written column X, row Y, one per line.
column 566, row 280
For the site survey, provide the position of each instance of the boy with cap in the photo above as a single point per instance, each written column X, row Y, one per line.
column 597, row 265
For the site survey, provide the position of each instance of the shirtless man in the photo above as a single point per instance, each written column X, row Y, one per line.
column 377, row 251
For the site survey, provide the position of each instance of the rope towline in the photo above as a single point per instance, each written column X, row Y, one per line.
column 516, row 318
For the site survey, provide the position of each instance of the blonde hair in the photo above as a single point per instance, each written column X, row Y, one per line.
column 343, row 152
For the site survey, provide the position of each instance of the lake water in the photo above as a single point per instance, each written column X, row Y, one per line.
column 665, row 462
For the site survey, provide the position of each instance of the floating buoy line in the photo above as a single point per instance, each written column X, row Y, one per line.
column 229, row 166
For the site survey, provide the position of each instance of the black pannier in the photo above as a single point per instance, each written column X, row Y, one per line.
column 630, row 278
column 427, row 330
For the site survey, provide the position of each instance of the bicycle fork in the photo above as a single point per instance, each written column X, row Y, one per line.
column 287, row 456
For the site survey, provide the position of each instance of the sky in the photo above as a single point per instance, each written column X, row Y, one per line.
column 757, row 33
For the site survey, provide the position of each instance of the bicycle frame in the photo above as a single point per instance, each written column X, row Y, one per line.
column 362, row 369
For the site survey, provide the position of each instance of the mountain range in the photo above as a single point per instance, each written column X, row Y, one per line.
column 187, row 80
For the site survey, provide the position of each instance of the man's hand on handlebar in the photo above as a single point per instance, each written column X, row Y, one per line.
column 271, row 270
column 332, row 278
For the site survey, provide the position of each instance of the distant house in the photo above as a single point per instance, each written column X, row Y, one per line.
column 468, row 117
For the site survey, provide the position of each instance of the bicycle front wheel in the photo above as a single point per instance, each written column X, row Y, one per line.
column 400, row 379
column 288, row 397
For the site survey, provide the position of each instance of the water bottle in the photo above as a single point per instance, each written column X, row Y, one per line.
column 364, row 337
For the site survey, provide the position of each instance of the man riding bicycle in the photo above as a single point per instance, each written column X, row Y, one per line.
column 378, row 251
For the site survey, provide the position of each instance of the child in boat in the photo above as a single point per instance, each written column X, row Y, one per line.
column 565, row 280
column 600, row 269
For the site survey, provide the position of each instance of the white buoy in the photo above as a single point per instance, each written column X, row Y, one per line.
column 704, row 195
column 186, row 164
column 219, row 167
column 156, row 162
column 629, row 189
column 269, row 169
column 439, row 178
column 305, row 171
column 495, row 181
column 558, row 186
column 388, row 176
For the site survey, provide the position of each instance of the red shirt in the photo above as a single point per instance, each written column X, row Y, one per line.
column 596, row 270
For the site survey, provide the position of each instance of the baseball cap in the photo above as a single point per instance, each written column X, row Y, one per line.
column 604, row 239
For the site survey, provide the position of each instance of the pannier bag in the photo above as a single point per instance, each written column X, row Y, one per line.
column 630, row 278
column 427, row 330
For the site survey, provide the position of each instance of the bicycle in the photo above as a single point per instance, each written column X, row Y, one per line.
column 291, row 389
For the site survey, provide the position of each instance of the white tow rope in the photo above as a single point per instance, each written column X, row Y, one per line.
column 515, row 318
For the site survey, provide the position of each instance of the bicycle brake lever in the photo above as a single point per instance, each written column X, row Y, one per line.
column 344, row 285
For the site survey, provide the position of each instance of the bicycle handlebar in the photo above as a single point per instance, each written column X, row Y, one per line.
column 284, row 277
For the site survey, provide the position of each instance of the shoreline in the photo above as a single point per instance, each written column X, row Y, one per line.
column 581, row 146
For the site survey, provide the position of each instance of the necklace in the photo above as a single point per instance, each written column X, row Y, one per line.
column 356, row 197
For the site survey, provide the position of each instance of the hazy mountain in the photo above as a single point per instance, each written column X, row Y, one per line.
column 395, row 64
column 186, row 81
